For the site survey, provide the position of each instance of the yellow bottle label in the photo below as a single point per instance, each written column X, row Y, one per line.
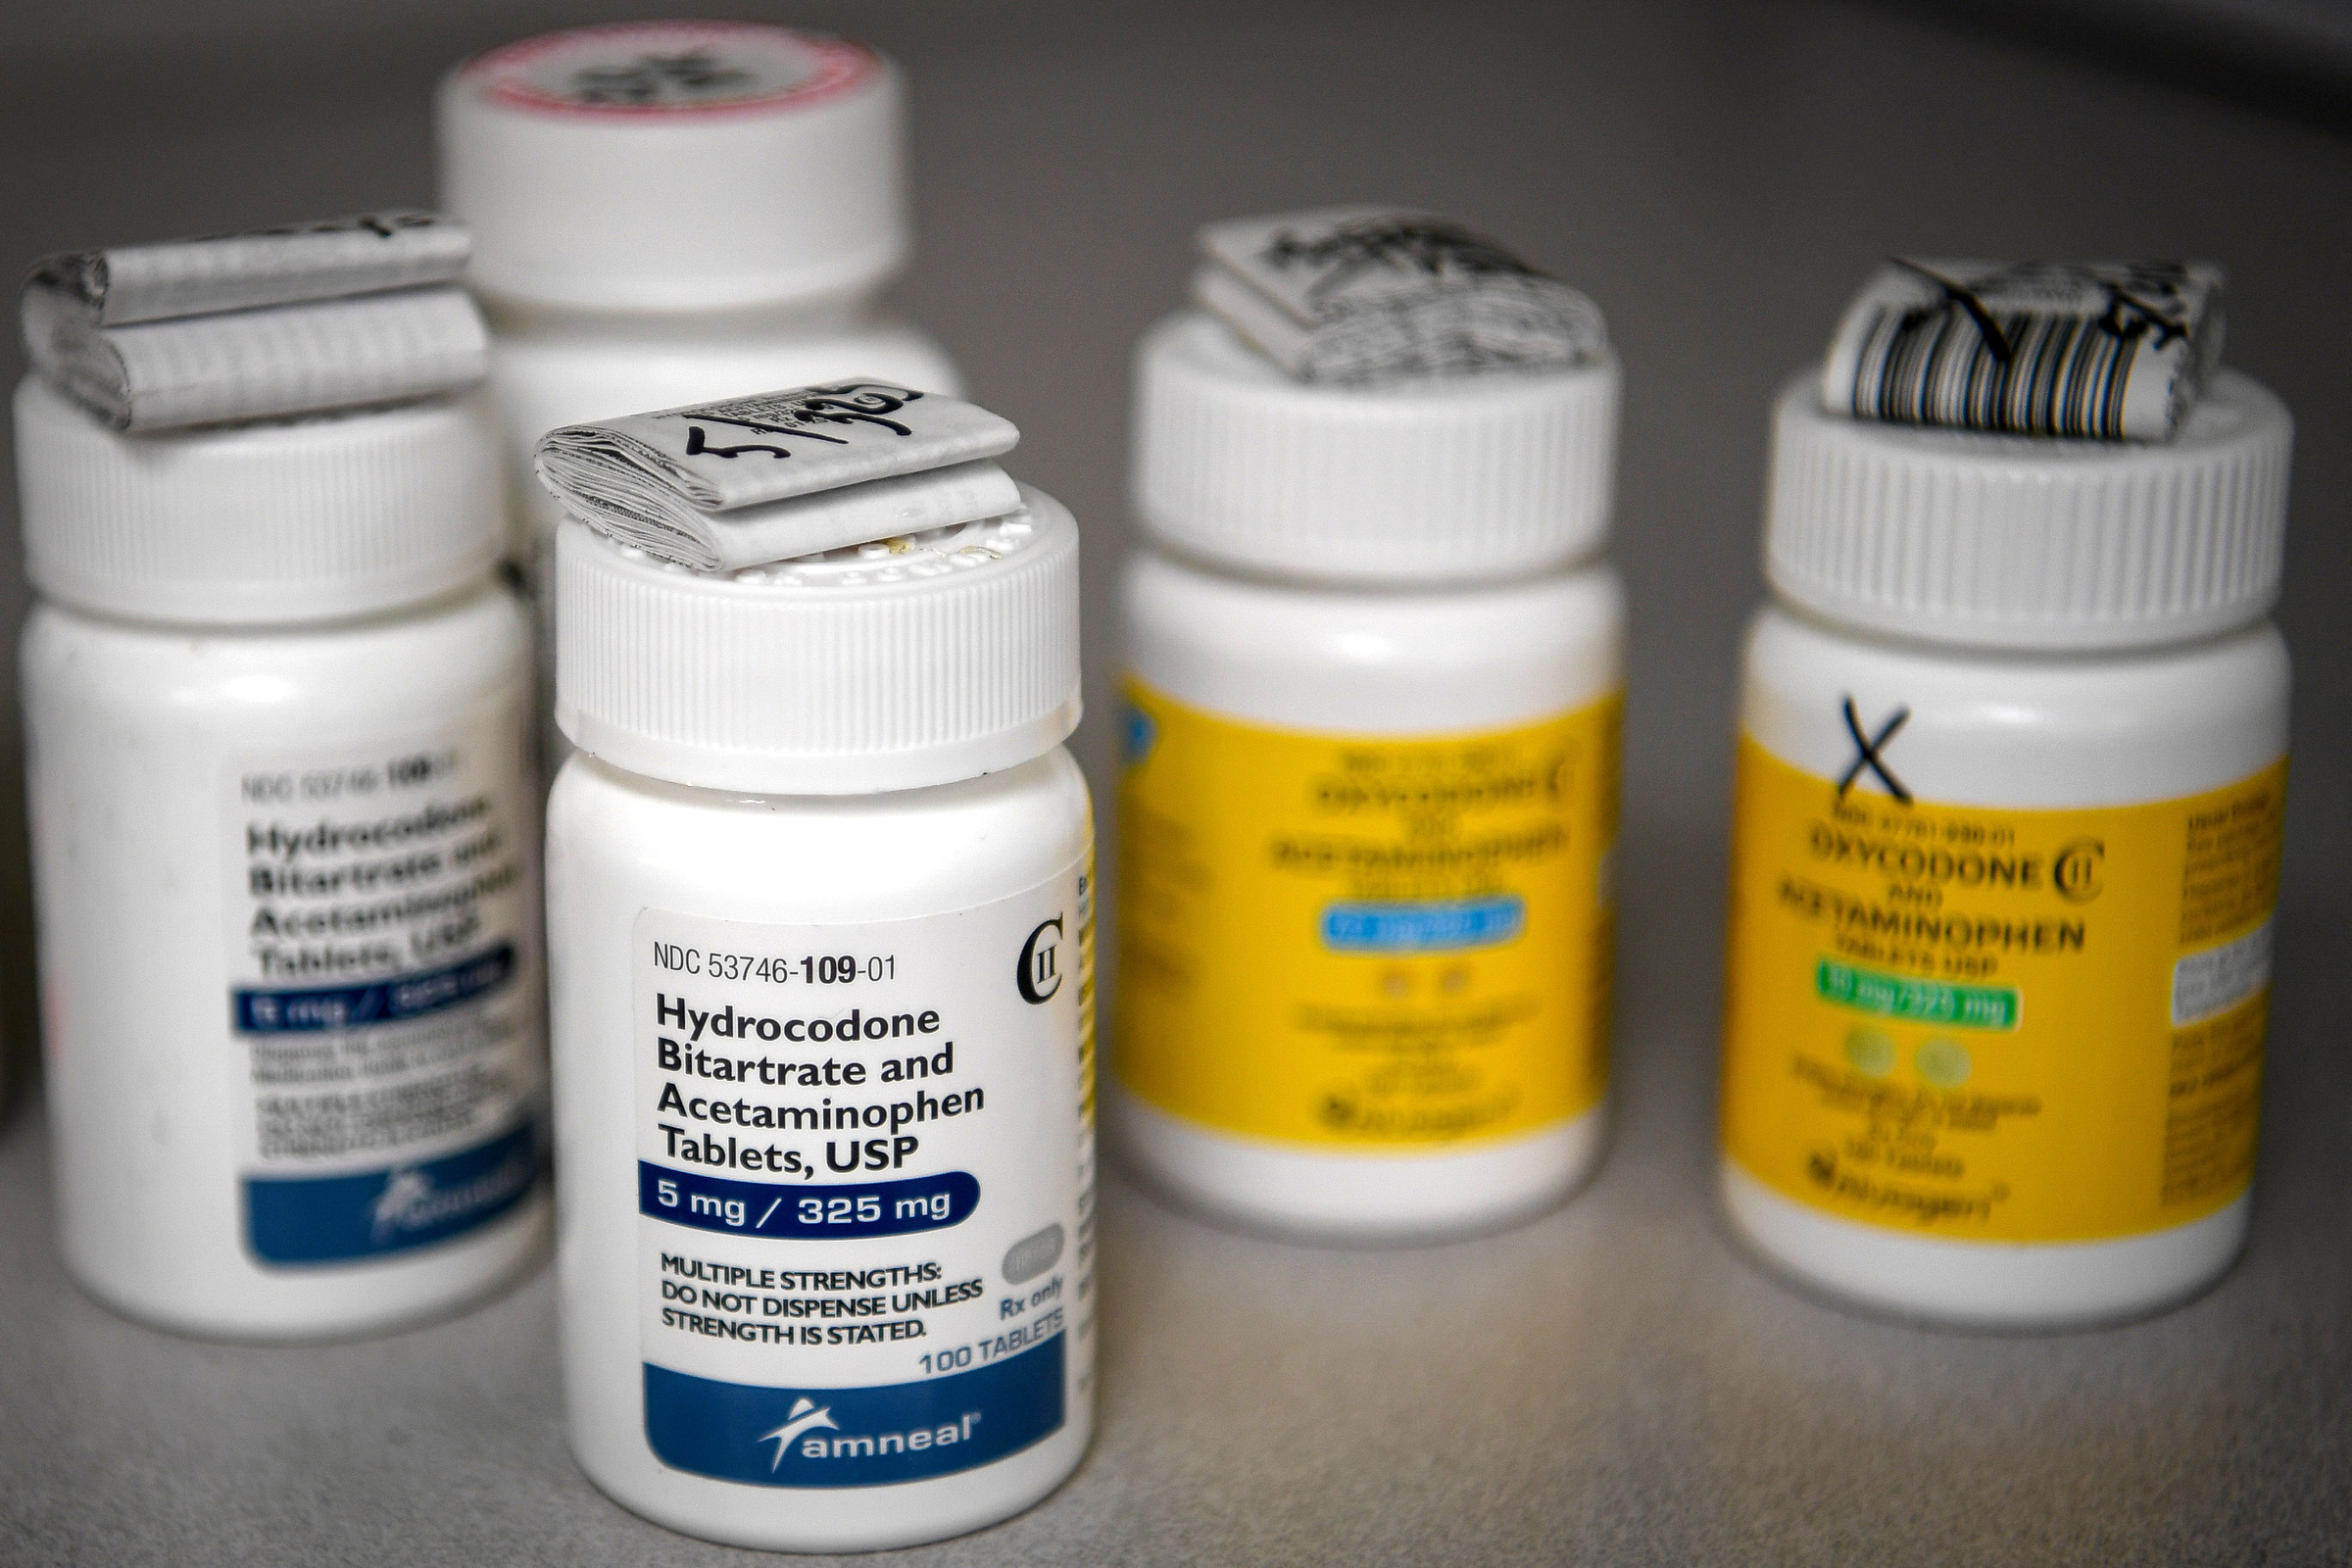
column 1997, row 1025
column 1366, row 942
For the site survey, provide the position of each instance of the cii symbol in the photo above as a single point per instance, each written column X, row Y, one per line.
column 807, row 1416
column 1038, row 971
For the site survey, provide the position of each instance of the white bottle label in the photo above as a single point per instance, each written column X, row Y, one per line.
column 866, row 1187
column 384, row 982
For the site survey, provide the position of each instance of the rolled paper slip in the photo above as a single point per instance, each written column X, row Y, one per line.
column 1362, row 294
column 2107, row 351
column 261, row 363
column 752, row 480
column 364, row 255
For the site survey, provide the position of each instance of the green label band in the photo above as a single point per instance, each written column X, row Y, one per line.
column 1895, row 995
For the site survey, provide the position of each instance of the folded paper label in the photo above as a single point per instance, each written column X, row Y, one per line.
column 2110, row 351
column 1363, row 294
column 376, row 251
column 263, row 364
column 751, row 480
column 301, row 319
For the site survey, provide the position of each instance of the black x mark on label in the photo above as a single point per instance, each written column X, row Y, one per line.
column 1870, row 750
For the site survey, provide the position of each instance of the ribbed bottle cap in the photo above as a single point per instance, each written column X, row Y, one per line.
column 881, row 667
column 1432, row 479
column 677, row 165
column 2004, row 541
column 257, row 524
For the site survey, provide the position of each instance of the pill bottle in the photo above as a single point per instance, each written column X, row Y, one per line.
column 285, row 866
column 667, row 213
column 820, row 920
column 1368, row 793
column 2012, row 768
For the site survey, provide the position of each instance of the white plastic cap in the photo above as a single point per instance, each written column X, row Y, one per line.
column 677, row 165
column 2004, row 541
column 315, row 519
column 882, row 667
column 1432, row 480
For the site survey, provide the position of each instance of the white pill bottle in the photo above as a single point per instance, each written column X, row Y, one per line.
column 285, row 864
column 2012, row 775
column 667, row 213
column 1369, row 791
column 819, row 911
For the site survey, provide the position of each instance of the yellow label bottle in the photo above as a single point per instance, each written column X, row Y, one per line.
column 1937, row 1011
column 1370, row 794
column 2007, row 853
column 1366, row 943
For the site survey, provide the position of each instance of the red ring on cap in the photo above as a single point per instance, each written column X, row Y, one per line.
column 836, row 66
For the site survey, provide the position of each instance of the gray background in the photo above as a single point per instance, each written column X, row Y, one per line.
column 1615, row 1383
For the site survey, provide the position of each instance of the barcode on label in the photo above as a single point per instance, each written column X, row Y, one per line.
column 2061, row 375
column 2106, row 352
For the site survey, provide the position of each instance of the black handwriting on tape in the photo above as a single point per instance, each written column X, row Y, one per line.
column 854, row 403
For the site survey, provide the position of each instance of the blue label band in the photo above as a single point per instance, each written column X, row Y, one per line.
column 806, row 1214
column 1138, row 734
column 768, row 1437
column 335, row 1219
column 1424, row 927
column 395, row 1001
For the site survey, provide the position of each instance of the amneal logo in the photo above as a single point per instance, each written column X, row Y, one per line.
column 798, row 1435
column 404, row 1197
column 806, row 1414
column 411, row 1202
